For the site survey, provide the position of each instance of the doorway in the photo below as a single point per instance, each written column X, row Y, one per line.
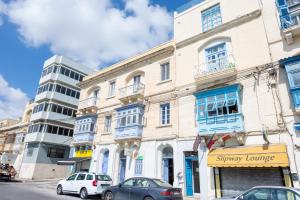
column 168, row 165
column 122, row 167
column 192, row 177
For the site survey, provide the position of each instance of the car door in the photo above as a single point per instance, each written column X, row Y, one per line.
column 257, row 194
column 68, row 184
column 124, row 190
column 79, row 182
column 140, row 189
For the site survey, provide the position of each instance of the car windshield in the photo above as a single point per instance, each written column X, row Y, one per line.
column 103, row 178
column 161, row 183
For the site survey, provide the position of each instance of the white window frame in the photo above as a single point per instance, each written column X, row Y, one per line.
column 165, row 71
column 165, row 114
column 111, row 90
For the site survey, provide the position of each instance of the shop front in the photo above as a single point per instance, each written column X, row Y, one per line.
column 240, row 168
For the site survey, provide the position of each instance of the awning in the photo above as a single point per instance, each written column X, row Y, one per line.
column 71, row 161
column 255, row 156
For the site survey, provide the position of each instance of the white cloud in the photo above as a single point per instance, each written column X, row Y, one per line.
column 12, row 100
column 3, row 9
column 94, row 32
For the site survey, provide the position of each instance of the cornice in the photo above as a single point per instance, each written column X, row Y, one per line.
column 228, row 25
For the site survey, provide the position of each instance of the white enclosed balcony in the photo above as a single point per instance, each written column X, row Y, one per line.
column 89, row 104
column 56, row 96
column 215, row 69
column 132, row 93
column 46, row 115
column 47, row 138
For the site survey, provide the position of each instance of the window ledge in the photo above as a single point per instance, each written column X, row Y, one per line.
column 106, row 133
column 164, row 126
column 165, row 81
column 110, row 97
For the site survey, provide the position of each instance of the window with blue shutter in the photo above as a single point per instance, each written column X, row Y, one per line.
column 211, row 18
column 292, row 66
column 219, row 110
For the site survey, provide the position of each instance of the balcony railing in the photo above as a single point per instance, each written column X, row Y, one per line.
column 215, row 66
column 88, row 103
column 132, row 90
column 293, row 2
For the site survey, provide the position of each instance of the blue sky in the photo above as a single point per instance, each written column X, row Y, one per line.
column 25, row 42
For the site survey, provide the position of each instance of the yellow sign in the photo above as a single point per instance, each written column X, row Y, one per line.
column 83, row 154
column 258, row 156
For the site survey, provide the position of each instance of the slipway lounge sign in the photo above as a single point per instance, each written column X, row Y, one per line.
column 258, row 156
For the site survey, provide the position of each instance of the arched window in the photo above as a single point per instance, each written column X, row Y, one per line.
column 105, row 162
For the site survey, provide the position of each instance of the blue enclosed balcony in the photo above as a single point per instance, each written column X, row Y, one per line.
column 130, row 122
column 84, row 129
column 219, row 111
column 289, row 18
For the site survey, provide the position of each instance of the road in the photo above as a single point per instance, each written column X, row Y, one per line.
column 32, row 191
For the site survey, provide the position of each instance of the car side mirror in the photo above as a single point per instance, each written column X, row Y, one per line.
column 120, row 185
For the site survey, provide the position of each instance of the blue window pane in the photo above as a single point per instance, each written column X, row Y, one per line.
column 216, row 58
column 211, row 18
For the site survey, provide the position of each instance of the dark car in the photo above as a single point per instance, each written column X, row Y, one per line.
column 141, row 188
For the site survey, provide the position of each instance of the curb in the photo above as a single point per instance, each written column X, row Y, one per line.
column 35, row 181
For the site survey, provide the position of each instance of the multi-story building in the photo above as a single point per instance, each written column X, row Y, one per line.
column 3, row 134
column 231, row 80
column 52, row 120
column 14, row 132
column 215, row 107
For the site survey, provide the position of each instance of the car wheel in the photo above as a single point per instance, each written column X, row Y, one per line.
column 83, row 193
column 148, row 198
column 59, row 190
column 108, row 196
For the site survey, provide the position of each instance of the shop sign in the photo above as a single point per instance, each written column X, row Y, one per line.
column 83, row 154
column 260, row 156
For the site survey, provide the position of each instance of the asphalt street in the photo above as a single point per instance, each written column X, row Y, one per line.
column 32, row 191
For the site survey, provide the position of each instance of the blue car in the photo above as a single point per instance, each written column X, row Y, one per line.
column 141, row 188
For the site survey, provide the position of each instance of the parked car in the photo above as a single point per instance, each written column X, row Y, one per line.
column 7, row 172
column 141, row 188
column 84, row 184
column 268, row 193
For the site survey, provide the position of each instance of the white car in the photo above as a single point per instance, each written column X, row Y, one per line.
column 84, row 184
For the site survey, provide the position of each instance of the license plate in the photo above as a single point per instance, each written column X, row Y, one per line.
column 105, row 185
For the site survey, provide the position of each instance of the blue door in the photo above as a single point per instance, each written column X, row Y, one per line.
column 122, row 170
column 166, row 169
column 189, row 177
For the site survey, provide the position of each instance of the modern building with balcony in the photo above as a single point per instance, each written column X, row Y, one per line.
column 52, row 121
